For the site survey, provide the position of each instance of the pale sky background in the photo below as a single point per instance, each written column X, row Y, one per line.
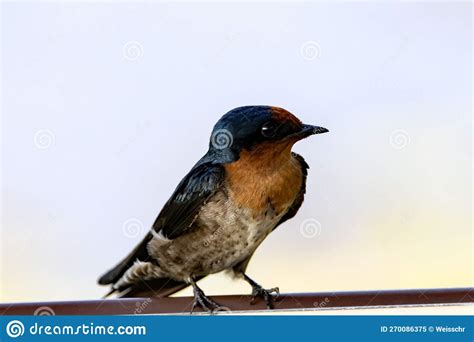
column 105, row 107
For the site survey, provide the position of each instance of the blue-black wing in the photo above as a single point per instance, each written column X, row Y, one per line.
column 177, row 215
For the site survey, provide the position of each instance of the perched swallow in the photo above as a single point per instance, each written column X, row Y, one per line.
column 247, row 184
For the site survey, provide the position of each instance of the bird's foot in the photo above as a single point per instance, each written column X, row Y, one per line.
column 268, row 295
column 204, row 302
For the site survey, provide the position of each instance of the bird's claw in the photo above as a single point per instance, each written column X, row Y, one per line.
column 268, row 295
column 205, row 303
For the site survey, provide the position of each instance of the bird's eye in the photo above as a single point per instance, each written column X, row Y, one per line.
column 269, row 129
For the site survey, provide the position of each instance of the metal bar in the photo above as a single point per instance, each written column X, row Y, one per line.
column 297, row 301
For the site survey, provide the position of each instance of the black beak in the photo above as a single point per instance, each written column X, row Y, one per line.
column 308, row 130
column 314, row 129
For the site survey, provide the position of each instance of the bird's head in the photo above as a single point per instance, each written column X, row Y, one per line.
column 251, row 128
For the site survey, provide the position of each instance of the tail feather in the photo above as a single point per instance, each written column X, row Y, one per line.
column 161, row 287
column 139, row 253
column 111, row 292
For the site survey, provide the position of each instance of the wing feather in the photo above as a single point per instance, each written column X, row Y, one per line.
column 181, row 210
column 176, row 217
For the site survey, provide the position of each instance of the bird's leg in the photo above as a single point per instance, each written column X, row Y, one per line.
column 269, row 295
column 201, row 300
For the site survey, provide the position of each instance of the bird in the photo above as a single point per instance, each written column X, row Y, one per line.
column 247, row 184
